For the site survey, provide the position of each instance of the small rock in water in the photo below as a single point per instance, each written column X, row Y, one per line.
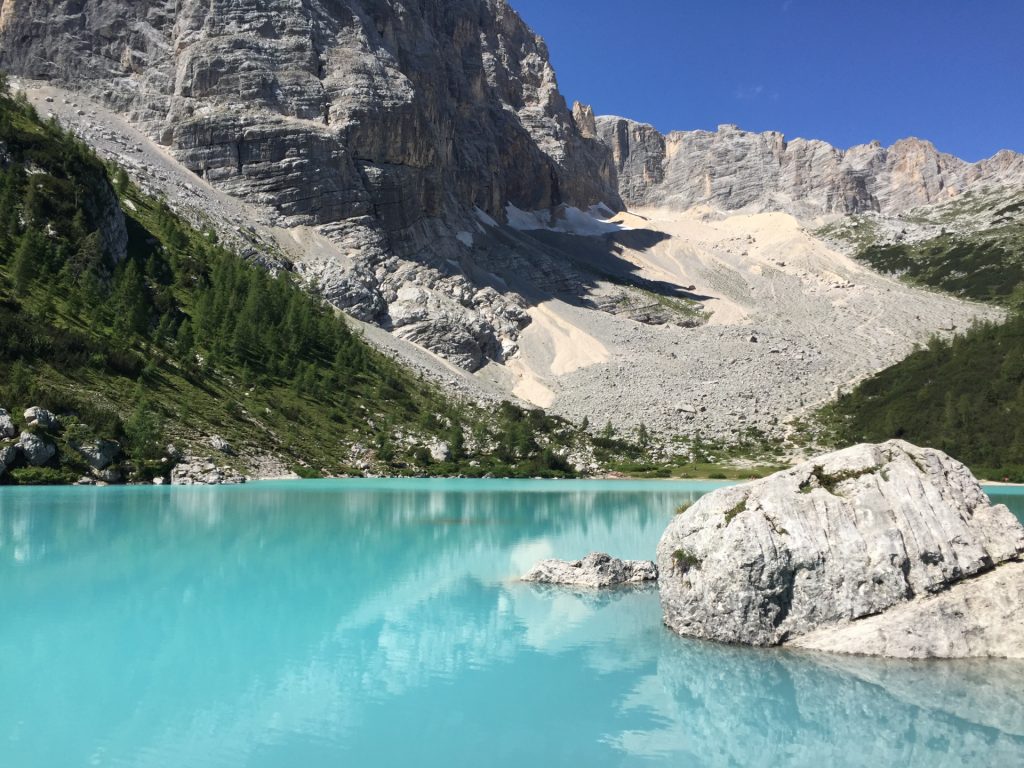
column 596, row 570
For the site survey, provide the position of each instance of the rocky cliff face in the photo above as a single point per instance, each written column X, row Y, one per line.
column 383, row 122
column 733, row 169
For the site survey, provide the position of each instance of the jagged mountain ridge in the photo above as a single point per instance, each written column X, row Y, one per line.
column 732, row 169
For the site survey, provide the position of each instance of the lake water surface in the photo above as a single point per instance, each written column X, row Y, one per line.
column 380, row 623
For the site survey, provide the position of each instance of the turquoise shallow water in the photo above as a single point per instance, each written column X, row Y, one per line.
column 379, row 623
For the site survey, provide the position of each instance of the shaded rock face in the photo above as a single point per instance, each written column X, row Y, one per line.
column 7, row 427
column 8, row 455
column 863, row 532
column 36, row 450
column 383, row 124
column 733, row 169
column 596, row 570
column 99, row 454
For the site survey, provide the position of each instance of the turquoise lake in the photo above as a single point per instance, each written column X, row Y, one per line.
column 380, row 623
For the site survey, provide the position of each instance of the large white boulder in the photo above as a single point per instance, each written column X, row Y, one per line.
column 838, row 540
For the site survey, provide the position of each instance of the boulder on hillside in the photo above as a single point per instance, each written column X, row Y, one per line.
column 8, row 455
column 7, row 428
column 846, row 552
column 196, row 471
column 37, row 451
column 40, row 417
column 218, row 443
column 439, row 451
column 597, row 570
column 99, row 454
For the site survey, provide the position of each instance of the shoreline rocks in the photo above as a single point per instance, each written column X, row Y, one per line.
column 850, row 552
column 596, row 571
column 35, row 449
column 196, row 471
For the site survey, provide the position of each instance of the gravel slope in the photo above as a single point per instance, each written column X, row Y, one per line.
column 821, row 321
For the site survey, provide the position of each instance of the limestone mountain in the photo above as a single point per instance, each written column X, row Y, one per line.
column 381, row 122
column 416, row 165
column 732, row 169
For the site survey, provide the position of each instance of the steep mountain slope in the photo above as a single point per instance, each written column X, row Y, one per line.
column 639, row 319
column 137, row 330
column 383, row 124
column 734, row 169
column 964, row 395
column 971, row 246
column 417, row 166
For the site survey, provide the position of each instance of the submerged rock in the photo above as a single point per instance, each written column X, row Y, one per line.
column 870, row 542
column 596, row 570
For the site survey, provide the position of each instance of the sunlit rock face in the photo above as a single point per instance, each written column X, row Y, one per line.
column 735, row 169
column 877, row 549
column 329, row 110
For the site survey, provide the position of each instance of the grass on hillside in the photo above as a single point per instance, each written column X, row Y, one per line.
column 183, row 340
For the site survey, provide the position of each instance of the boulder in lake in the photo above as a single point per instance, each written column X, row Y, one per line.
column 37, row 450
column 596, row 570
column 845, row 553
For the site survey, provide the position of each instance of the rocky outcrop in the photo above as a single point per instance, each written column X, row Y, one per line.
column 8, row 456
column 203, row 471
column 36, row 450
column 383, row 124
column 734, row 169
column 975, row 617
column 7, row 427
column 596, row 570
column 40, row 417
column 98, row 454
column 843, row 552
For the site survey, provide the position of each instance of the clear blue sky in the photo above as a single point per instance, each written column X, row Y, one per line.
column 846, row 71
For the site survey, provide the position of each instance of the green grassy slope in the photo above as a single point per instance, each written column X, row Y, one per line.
column 184, row 340
column 964, row 396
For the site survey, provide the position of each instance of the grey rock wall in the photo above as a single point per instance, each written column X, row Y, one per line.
column 381, row 123
column 733, row 169
column 328, row 110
